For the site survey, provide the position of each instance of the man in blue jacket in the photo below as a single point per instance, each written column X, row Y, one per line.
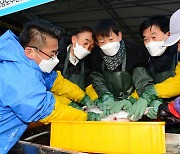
column 29, row 89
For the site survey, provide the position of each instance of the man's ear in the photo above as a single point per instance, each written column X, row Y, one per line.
column 167, row 35
column 120, row 36
column 73, row 38
column 29, row 53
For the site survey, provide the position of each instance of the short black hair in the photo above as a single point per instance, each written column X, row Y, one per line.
column 83, row 29
column 34, row 33
column 104, row 27
column 160, row 21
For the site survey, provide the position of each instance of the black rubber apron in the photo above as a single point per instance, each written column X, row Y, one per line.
column 119, row 83
column 78, row 79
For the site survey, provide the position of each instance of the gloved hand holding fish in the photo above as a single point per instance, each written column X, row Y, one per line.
column 120, row 116
column 110, row 106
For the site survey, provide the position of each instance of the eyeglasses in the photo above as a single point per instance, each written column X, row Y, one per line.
column 55, row 53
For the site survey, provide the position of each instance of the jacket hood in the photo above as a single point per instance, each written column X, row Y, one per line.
column 11, row 50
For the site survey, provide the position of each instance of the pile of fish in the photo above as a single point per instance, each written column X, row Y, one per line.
column 120, row 116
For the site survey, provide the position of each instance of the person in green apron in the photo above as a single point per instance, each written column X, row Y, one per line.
column 114, row 62
column 74, row 62
column 170, row 112
column 162, row 61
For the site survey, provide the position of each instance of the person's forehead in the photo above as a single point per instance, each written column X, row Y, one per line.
column 99, row 37
column 111, row 34
column 85, row 35
column 152, row 30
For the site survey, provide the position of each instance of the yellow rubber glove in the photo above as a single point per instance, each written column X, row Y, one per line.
column 170, row 87
column 67, row 89
column 134, row 95
column 67, row 101
column 63, row 112
column 90, row 91
column 64, row 100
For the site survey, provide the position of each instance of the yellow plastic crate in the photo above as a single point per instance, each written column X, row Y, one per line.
column 109, row 137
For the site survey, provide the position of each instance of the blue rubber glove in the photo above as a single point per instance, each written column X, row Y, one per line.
column 117, row 106
column 152, row 113
column 137, row 109
column 86, row 101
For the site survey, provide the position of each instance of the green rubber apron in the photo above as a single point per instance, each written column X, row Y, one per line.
column 119, row 83
column 160, row 77
column 78, row 79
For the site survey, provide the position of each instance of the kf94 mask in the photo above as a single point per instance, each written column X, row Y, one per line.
column 47, row 65
column 111, row 48
column 155, row 48
column 80, row 52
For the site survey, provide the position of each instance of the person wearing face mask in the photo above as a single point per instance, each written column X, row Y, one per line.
column 30, row 89
column 114, row 63
column 75, row 63
column 162, row 60
column 170, row 111
column 161, row 64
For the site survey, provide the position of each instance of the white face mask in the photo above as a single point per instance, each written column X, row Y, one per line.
column 155, row 48
column 80, row 52
column 47, row 65
column 111, row 48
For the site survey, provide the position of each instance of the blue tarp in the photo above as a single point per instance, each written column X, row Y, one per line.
column 11, row 6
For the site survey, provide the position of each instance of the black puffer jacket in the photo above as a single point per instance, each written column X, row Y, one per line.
column 163, row 67
column 163, row 63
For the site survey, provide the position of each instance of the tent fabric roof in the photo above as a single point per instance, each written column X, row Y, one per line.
column 72, row 14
